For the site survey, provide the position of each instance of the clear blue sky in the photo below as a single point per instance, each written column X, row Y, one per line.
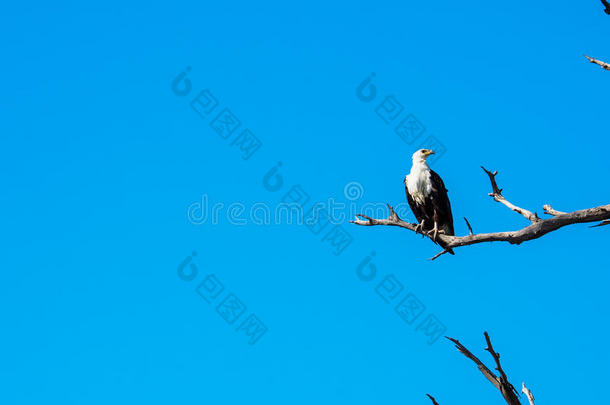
column 100, row 160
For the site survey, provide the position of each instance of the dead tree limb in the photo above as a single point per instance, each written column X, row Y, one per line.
column 603, row 65
column 528, row 393
column 538, row 227
column 432, row 399
column 496, row 194
column 508, row 391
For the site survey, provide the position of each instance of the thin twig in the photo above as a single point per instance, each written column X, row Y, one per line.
column 469, row 227
column 603, row 65
column 606, row 222
column 432, row 399
column 439, row 254
column 528, row 393
column 497, row 195
column 482, row 367
column 550, row 211
column 496, row 357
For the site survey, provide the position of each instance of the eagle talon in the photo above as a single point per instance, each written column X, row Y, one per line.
column 420, row 228
column 434, row 231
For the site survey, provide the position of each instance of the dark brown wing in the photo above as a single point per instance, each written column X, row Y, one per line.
column 440, row 201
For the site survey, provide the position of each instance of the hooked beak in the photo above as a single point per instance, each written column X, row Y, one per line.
column 429, row 152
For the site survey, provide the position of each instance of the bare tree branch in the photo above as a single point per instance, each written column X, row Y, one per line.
column 393, row 220
column 528, row 393
column 603, row 65
column 501, row 383
column 439, row 254
column 482, row 367
column 432, row 399
column 537, row 228
column 507, row 388
column 497, row 195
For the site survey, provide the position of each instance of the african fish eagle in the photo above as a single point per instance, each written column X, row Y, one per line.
column 428, row 198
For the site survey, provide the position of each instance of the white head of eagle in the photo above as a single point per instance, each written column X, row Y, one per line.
column 427, row 196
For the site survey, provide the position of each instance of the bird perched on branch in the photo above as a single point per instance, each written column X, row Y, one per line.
column 428, row 199
column 607, row 5
column 603, row 65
